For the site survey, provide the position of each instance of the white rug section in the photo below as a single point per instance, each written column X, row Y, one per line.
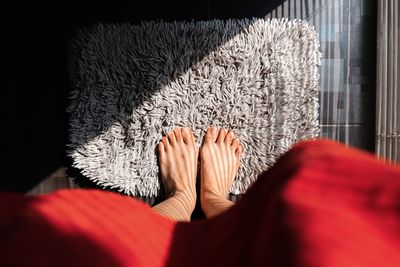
column 132, row 84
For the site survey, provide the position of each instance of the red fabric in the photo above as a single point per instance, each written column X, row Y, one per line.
column 322, row 204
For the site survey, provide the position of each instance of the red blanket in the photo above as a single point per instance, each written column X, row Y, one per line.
column 322, row 204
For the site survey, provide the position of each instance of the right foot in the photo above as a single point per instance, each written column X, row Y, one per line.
column 219, row 162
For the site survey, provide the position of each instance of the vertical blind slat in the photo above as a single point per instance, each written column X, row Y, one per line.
column 388, row 110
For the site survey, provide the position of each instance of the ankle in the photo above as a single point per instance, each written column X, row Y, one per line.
column 212, row 195
column 213, row 204
column 186, row 199
column 176, row 207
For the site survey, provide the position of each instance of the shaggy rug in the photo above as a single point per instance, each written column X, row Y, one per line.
column 133, row 83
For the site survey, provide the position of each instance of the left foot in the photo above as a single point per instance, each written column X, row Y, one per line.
column 178, row 162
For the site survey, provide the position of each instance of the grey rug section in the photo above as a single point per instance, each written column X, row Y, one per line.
column 133, row 83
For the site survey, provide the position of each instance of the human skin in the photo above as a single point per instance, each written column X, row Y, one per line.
column 219, row 162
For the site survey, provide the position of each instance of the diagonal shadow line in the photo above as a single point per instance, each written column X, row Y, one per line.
column 95, row 70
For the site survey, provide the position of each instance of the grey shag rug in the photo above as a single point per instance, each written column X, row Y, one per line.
column 133, row 83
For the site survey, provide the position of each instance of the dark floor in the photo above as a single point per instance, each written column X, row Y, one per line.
column 35, row 96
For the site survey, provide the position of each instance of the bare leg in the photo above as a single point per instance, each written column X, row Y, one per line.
column 219, row 161
column 178, row 162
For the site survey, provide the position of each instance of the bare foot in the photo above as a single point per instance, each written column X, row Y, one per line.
column 178, row 161
column 178, row 154
column 219, row 163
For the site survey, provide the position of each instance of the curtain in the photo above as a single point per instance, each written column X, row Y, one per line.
column 388, row 94
column 347, row 33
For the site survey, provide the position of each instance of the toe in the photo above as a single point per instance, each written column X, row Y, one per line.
column 165, row 143
column 238, row 151
column 187, row 136
column 161, row 149
column 171, row 138
column 229, row 137
column 211, row 135
column 238, row 155
column 222, row 135
column 235, row 144
column 178, row 135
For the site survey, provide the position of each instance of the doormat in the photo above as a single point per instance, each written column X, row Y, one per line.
column 132, row 84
